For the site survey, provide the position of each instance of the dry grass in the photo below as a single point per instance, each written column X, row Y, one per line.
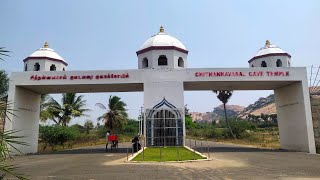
column 261, row 138
column 41, row 148
column 264, row 139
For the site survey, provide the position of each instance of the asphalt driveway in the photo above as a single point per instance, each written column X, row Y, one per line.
column 228, row 162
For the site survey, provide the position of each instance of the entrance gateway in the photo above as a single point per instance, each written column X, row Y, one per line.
column 163, row 76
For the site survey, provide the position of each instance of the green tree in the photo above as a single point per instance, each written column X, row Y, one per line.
column 189, row 123
column 88, row 125
column 116, row 114
column 44, row 103
column 71, row 106
column 4, row 84
column 224, row 97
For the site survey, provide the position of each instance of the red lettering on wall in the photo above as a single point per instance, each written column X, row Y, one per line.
column 78, row 77
column 240, row 73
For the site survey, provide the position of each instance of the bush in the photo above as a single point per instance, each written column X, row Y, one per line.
column 203, row 130
column 189, row 123
column 102, row 131
column 87, row 138
column 80, row 128
column 265, row 124
column 57, row 135
column 239, row 128
column 131, row 128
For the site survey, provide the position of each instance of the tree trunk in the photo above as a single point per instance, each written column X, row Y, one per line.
column 227, row 121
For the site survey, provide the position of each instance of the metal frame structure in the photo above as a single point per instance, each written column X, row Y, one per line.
column 164, row 127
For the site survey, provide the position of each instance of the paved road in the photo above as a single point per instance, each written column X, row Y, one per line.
column 228, row 162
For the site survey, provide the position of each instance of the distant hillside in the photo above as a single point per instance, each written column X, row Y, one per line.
column 264, row 105
column 232, row 110
column 217, row 114
column 261, row 106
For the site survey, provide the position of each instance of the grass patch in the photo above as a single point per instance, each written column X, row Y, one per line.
column 168, row 154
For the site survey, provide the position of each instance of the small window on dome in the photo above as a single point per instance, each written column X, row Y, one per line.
column 145, row 63
column 263, row 64
column 279, row 63
column 36, row 67
column 180, row 62
column 162, row 60
column 53, row 67
column 26, row 67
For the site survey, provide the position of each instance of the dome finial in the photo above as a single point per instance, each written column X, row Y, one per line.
column 46, row 45
column 161, row 29
column 267, row 42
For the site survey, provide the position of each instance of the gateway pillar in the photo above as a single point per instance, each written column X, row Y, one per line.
column 26, row 110
column 294, row 117
column 164, row 113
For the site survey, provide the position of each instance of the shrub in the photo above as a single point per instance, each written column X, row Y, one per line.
column 87, row 138
column 189, row 123
column 101, row 133
column 80, row 128
column 57, row 135
column 239, row 128
column 131, row 128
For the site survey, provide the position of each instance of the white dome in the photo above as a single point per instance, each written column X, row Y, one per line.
column 269, row 49
column 46, row 52
column 162, row 39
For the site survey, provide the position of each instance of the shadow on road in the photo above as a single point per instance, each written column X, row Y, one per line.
column 236, row 149
column 90, row 150
column 124, row 148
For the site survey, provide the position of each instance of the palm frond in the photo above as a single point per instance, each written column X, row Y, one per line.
column 101, row 105
column 10, row 169
column 3, row 52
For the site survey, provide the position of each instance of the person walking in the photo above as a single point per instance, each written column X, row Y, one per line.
column 107, row 139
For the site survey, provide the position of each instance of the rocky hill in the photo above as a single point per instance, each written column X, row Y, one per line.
column 261, row 106
column 264, row 105
column 232, row 110
column 217, row 114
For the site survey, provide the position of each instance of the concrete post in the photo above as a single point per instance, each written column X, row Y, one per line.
column 294, row 117
column 26, row 105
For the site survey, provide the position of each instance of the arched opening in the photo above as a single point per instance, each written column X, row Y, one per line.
column 164, row 128
column 145, row 63
column 279, row 63
column 252, row 65
column 162, row 60
column 289, row 65
column 26, row 67
column 63, row 69
column 53, row 67
column 263, row 64
column 36, row 67
column 180, row 62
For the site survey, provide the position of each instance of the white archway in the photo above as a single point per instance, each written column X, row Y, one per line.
column 289, row 84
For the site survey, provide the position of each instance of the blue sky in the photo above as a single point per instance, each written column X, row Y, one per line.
column 101, row 35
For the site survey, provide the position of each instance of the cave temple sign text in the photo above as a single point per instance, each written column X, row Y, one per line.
column 79, row 77
column 240, row 73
